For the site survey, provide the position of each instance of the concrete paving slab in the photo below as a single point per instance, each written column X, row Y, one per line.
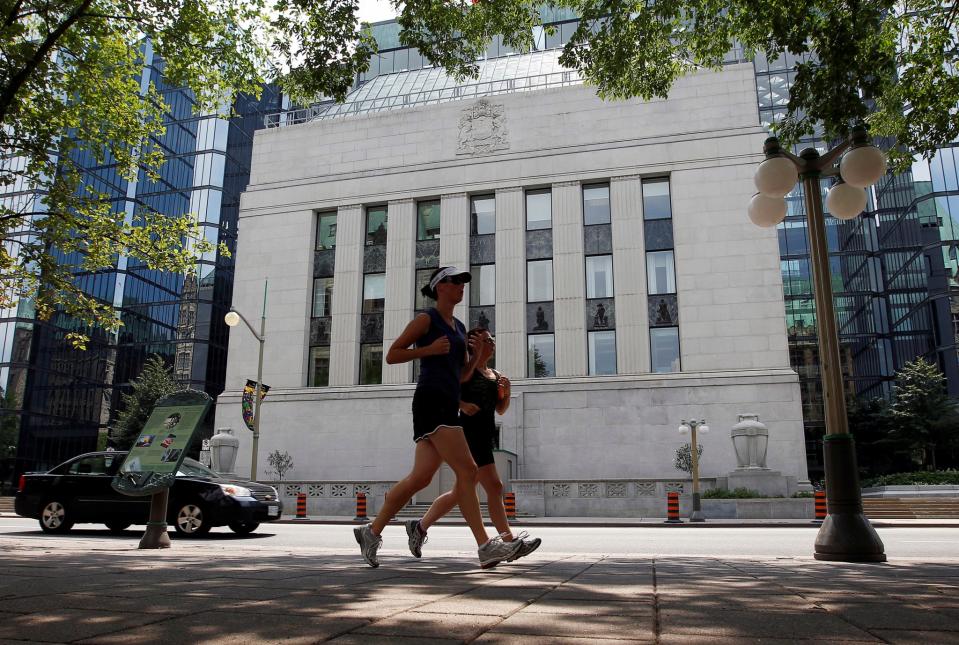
column 798, row 624
column 910, row 637
column 892, row 615
column 224, row 628
column 578, row 626
column 66, row 625
column 495, row 638
column 463, row 627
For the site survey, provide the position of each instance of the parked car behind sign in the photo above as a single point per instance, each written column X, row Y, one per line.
column 79, row 491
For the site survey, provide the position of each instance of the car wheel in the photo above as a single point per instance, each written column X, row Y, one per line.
column 243, row 528
column 117, row 527
column 191, row 519
column 54, row 518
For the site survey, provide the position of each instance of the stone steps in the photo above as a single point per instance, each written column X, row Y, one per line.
column 903, row 508
column 6, row 504
column 411, row 511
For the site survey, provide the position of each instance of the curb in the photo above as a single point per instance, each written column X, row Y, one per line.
column 655, row 524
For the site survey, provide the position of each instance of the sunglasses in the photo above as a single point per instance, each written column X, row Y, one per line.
column 456, row 279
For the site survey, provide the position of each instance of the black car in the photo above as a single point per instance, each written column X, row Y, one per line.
column 79, row 491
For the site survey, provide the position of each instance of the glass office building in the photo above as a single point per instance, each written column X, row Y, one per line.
column 62, row 399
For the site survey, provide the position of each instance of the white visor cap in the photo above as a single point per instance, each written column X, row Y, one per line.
column 449, row 272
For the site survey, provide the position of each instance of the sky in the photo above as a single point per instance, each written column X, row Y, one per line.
column 376, row 10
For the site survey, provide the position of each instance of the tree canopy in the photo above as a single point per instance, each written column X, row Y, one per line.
column 72, row 96
column 75, row 114
column 154, row 382
column 891, row 64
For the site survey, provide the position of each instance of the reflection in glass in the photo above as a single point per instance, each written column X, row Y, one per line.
column 376, row 221
column 322, row 297
column 483, row 285
column 599, row 276
column 602, row 352
column 664, row 349
column 421, row 302
column 656, row 199
column 539, row 280
column 596, row 204
column 326, row 231
column 660, row 274
column 428, row 220
column 483, row 215
column 374, row 293
column 319, row 366
column 371, row 364
column 540, row 358
column 539, row 209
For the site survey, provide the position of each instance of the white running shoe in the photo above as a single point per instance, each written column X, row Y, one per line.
column 495, row 551
column 416, row 537
column 369, row 544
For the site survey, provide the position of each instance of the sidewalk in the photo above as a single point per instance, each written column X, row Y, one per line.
column 206, row 593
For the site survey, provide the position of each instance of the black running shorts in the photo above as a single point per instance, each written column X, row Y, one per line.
column 431, row 410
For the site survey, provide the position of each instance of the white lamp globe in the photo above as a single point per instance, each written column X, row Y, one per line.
column 683, row 429
column 766, row 211
column 232, row 319
column 776, row 176
column 863, row 166
column 703, row 428
column 845, row 201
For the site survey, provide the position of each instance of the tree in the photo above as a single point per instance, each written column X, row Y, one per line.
column 924, row 417
column 890, row 63
column 684, row 457
column 153, row 383
column 71, row 99
column 540, row 369
column 280, row 463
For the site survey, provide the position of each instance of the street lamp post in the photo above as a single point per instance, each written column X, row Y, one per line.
column 232, row 319
column 846, row 535
column 690, row 427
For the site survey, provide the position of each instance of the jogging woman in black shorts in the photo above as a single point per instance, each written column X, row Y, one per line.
column 484, row 394
column 440, row 341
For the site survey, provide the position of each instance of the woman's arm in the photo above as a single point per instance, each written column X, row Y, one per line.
column 471, row 361
column 400, row 351
column 503, row 405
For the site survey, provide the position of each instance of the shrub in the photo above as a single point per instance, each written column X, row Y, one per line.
column 804, row 493
column 736, row 493
column 929, row 477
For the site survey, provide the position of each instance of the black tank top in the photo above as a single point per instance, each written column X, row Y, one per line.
column 483, row 392
column 442, row 373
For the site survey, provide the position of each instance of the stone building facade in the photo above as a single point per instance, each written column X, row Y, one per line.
column 612, row 258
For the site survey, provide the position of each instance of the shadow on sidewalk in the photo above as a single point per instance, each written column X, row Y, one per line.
column 210, row 592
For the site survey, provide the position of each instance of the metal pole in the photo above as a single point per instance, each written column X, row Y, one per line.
column 846, row 534
column 156, row 536
column 697, row 514
column 259, row 381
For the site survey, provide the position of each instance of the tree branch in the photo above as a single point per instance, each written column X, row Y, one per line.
column 9, row 93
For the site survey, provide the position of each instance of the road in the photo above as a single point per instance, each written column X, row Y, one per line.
column 901, row 542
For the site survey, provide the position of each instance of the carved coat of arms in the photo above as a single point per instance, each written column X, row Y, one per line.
column 482, row 129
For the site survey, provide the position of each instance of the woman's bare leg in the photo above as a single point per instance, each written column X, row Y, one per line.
column 451, row 444
column 426, row 461
column 493, row 486
column 440, row 507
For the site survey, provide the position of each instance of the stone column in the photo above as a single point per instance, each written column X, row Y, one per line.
column 569, row 288
column 629, row 275
column 347, row 296
column 511, row 283
column 455, row 242
column 400, row 261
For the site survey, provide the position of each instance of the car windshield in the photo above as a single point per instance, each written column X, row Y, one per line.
column 193, row 468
